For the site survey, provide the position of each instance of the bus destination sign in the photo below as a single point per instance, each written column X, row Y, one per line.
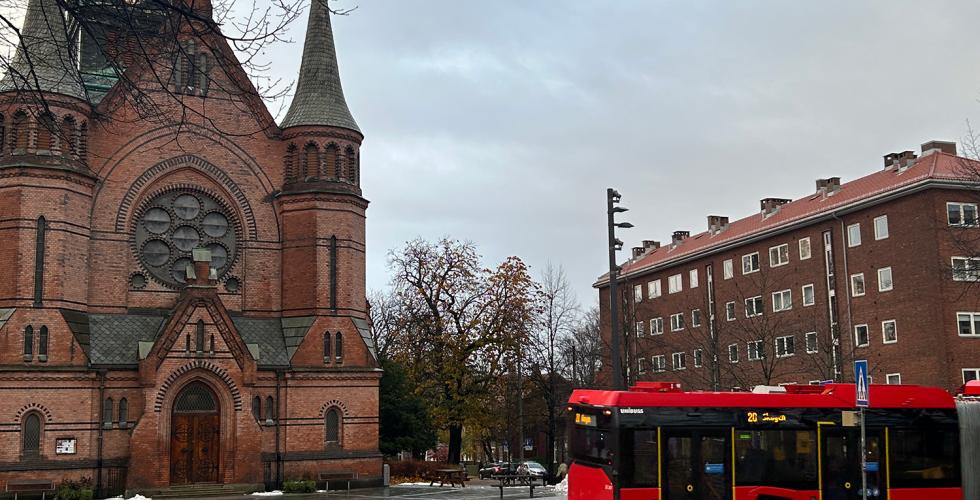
column 765, row 417
column 586, row 420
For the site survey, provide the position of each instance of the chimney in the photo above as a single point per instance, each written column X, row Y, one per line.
column 901, row 160
column 828, row 186
column 679, row 236
column 769, row 206
column 717, row 223
column 638, row 251
column 939, row 146
column 651, row 245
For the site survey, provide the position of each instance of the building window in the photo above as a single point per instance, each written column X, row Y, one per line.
column 966, row 268
column 339, row 347
column 750, row 263
column 854, row 235
column 969, row 324
column 28, row 343
column 861, row 338
column 733, row 353
column 808, row 297
column 785, row 346
column 653, row 289
column 696, row 318
column 698, row 358
column 962, row 214
column 640, row 326
column 811, row 342
column 675, row 283
column 679, row 360
column 676, row 322
column 782, row 301
column 881, row 227
column 730, row 311
column 889, row 333
column 857, row 285
column 270, row 409
column 332, row 425
column 659, row 363
column 199, row 337
column 42, row 344
column 39, row 261
column 728, row 269
column 19, row 132
column 326, row 347
column 31, row 435
column 107, row 413
column 754, row 306
column 757, row 350
column 893, row 378
column 971, row 374
column 641, row 365
column 638, row 293
column 656, row 326
column 257, row 407
column 693, row 277
column 779, row 255
column 805, row 248
column 123, row 413
column 885, row 282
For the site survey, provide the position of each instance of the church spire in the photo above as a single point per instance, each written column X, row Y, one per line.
column 44, row 60
column 319, row 99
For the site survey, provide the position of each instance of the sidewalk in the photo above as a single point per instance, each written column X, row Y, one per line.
column 475, row 492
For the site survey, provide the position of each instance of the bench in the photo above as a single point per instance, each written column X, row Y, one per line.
column 341, row 476
column 30, row 486
column 504, row 480
column 451, row 476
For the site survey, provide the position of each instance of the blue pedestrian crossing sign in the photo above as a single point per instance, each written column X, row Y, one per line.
column 861, row 382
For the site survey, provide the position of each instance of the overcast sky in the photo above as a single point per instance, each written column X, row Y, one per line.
column 503, row 122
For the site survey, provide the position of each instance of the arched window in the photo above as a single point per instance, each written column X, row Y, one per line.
column 311, row 160
column 19, row 132
column 351, row 157
column 331, row 162
column 42, row 226
column 44, row 139
column 186, row 80
column 28, row 343
column 339, row 349
column 199, row 336
column 67, row 137
column 270, row 409
column 123, row 413
column 332, row 425
column 107, row 413
column 257, row 407
column 203, row 80
column 291, row 173
column 81, row 148
column 42, row 344
column 31, row 434
column 326, row 347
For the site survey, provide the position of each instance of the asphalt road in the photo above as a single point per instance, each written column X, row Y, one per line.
column 475, row 492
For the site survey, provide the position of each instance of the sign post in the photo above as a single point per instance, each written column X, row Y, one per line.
column 861, row 392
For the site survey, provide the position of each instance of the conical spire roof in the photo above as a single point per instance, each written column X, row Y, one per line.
column 319, row 98
column 44, row 60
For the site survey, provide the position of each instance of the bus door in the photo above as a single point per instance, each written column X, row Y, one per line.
column 841, row 463
column 697, row 464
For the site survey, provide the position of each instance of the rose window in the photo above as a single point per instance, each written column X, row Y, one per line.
column 172, row 225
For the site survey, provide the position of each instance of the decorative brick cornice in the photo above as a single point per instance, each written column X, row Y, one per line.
column 334, row 403
column 34, row 407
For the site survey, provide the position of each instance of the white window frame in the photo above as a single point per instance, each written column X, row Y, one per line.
column 730, row 310
column 864, row 285
column 786, row 352
column 970, row 270
column 878, row 226
column 640, row 368
column 888, row 378
column 975, row 371
column 960, row 206
column 747, row 259
column 692, row 278
column 891, row 279
column 781, row 253
column 653, row 289
column 641, row 327
column 728, row 268
column 657, row 326
column 759, row 351
column 658, row 363
column 638, row 293
column 809, row 250
column 884, row 339
column 698, row 358
column 816, row 342
column 813, row 295
column 676, row 322
column 974, row 319
column 854, row 235
column 758, row 306
column 733, row 353
column 785, row 300
column 675, row 283
column 681, row 356
column 695, row 318
column 867, row 335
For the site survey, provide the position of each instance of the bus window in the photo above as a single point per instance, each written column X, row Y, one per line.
column 639, row 458
column 591, row 445
column 924, row 458
column 784, row 458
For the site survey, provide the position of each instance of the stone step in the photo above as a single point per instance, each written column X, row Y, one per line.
column 203, row 490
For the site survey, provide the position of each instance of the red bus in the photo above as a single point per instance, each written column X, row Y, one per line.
column 656, row 442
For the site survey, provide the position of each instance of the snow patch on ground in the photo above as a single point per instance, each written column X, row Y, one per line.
column 137, row 497
column 273, row 493
column 562, row 487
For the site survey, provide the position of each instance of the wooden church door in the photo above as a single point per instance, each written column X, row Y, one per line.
column 195, row 436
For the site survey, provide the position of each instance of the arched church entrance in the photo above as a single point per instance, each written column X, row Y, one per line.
column 195, row 435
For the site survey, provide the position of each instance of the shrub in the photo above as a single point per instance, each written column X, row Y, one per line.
column 299, row 486
column 70, row 489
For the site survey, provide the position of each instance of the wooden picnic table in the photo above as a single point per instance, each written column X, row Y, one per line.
column 514, row 480
column 451, row 476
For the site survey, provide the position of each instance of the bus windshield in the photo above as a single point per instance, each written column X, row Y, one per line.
column 591, row 445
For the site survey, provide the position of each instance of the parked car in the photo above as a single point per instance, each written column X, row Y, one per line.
column 536, row 470
column 494, row 469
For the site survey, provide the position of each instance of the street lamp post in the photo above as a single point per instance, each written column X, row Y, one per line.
column 612, row 199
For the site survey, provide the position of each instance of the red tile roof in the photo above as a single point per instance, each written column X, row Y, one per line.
column 937, row 166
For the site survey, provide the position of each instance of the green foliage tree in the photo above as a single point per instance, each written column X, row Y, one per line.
column 405, row 421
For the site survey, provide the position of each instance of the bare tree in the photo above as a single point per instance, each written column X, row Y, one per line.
column 582, row 352
column 386, row 317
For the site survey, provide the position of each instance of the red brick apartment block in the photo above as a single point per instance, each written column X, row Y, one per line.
column 883, row 268
column 181, row 302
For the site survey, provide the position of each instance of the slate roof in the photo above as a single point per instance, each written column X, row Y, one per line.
column 115, row 338
column 319, row 98
column 267, row 334
column 44, row 48
column 5, row 315
column 935, row 167
column 364, row 327
column 294, row 331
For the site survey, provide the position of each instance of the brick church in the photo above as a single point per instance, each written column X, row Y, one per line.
column 182, row 300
